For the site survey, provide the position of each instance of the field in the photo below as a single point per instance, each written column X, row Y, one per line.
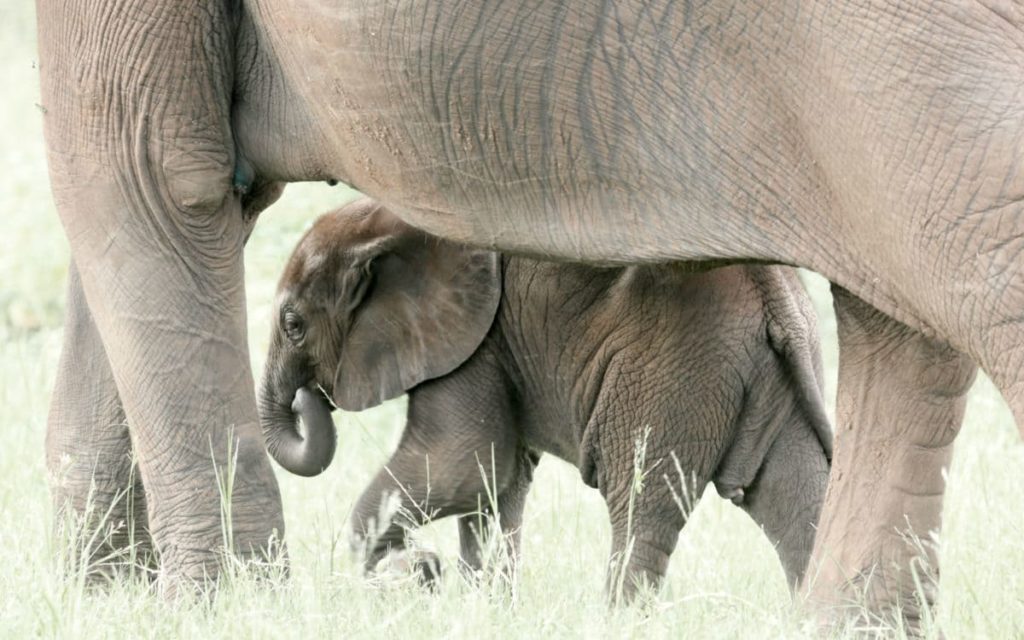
column 724, row 581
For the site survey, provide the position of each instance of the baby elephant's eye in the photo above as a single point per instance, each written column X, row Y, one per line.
column 293, row 327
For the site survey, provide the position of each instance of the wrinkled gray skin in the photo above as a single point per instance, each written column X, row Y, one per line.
column 879, row 144
column 722, row 366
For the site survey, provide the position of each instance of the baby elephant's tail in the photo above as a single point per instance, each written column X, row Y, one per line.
column 793, row 334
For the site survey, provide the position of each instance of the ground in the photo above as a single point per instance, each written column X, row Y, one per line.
column 724, row 581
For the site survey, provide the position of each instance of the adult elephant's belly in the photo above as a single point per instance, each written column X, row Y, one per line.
column 550, row 128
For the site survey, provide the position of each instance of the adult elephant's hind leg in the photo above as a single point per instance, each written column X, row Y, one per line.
column 998, row 345
column 900, row 406
column 99, row 501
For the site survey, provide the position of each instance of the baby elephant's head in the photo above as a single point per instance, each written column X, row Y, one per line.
column 367, row 308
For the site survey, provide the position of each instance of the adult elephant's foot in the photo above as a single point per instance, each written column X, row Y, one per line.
column 900, row 406
column 222, row 499
column 99, row 502
column 222, row 515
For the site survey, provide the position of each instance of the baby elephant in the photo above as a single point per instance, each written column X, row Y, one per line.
column 697, row 375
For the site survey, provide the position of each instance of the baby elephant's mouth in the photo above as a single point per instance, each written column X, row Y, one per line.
column 324, row 393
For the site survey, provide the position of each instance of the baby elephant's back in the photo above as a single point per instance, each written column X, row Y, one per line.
column 650, row 318
column 663, row 341
column 743, row 336
column 747, row 318
column 724, row 312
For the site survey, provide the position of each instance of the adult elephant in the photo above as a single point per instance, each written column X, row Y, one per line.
column 880, row 145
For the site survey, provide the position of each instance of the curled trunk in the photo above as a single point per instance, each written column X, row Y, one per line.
column 309, row 451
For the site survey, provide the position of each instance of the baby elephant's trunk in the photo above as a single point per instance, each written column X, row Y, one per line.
column 304, row 454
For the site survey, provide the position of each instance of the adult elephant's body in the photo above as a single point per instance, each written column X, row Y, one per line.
column 878, row 145
column 794, row 135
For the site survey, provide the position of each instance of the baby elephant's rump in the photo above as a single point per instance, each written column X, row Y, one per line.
column 716, row 374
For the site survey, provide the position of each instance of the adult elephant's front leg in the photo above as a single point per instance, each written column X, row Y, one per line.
column 137, row 99
column 96, row 488
column 900, row 406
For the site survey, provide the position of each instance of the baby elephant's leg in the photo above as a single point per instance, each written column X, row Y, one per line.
column 648, row 509
column 476, row 529
column 459, row 446
column 433, row 476
column 787, row 495
column 641, row 548
column 393, row 504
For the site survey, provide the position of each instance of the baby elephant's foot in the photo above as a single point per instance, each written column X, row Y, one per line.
column 401, row 564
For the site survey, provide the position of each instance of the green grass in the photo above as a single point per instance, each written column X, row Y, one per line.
column 724, row 580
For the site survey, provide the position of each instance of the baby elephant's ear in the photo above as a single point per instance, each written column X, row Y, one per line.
column 428, row 306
